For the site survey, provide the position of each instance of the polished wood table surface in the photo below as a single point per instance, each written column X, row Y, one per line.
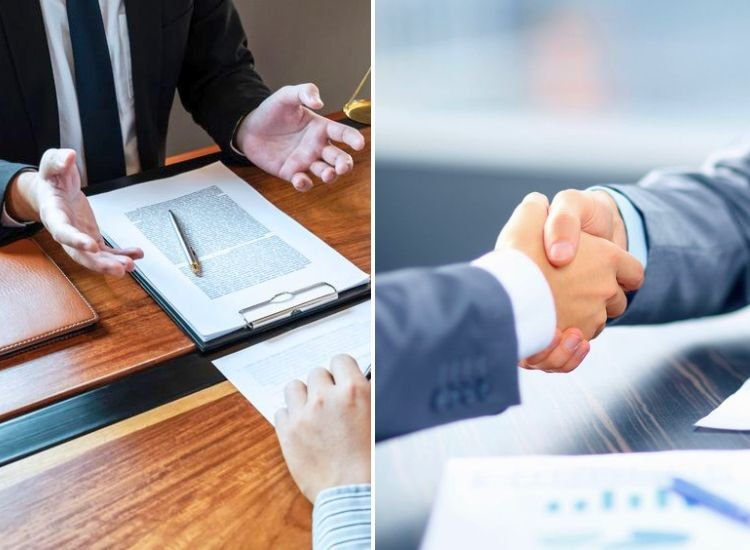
column 640, row 389
column 204, row 471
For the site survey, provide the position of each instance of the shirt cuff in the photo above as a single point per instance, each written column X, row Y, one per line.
column 634, row 227
column 7, row 221
column 530, row 295
column 234, row 138
column 342, row 518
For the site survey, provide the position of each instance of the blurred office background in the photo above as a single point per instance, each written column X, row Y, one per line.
column 295, row 41
column 480, row 101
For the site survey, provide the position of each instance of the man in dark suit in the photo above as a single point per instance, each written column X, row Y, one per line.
column 87, row 87
column 448, row 340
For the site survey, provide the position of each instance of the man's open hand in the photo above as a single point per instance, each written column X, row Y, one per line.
column 286, row 139
column 53, row 196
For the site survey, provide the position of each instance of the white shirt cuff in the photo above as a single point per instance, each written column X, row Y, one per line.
column 634, row 228
column 7, row 221
column 530, row 295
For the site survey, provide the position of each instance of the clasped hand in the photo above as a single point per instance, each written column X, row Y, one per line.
column 579, row 244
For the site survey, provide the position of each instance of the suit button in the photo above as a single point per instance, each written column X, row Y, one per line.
column 439, row 401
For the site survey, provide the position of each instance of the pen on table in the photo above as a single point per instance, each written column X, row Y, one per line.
column 698, row 495
column 190, row 254
column 368, row 371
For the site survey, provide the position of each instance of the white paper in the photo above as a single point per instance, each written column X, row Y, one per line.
column 605, row 501
column 261, row 371
column 249, row 250
column 732, row 414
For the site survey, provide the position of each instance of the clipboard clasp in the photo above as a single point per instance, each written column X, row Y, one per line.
column 329, row 294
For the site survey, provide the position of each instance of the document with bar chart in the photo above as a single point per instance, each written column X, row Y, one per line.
column 611, row 501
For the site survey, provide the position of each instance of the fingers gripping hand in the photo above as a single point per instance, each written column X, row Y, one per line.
column 565, row 353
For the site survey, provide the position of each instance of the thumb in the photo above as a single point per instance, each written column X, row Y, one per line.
column 529, row 214
column 56, row 162
column 310, row 96
column 562, row 230
column 302, row 94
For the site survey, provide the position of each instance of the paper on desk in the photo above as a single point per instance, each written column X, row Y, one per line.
column 732, row 414
column 261, row 371
column 609, row 501
column 249, row 250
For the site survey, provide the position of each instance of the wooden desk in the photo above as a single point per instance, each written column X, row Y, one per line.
column 640, row 389
column 201, row 472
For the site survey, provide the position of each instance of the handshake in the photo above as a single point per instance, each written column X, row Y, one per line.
column 579, row 243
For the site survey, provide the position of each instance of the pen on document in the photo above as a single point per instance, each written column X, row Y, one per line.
column 190, row 254
column 368, row 371
column 718, row 504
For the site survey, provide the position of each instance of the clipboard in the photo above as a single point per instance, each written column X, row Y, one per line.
column 289, row 310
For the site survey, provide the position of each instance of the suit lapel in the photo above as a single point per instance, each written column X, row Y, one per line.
column 144, row 29
column 27, row 40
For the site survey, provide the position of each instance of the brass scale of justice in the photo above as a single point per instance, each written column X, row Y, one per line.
column 359, row 110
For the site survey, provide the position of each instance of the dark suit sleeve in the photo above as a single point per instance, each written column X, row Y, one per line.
column 8, row 171
column 446, row 348
column 698, row 230
column 218, row 83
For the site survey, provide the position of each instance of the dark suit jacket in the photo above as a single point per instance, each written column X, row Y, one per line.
column 446, row 348
column 196, row 46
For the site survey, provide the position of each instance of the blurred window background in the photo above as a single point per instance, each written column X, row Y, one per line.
column 482, row 101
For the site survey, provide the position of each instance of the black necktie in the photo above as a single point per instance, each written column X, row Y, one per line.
column 95, row 87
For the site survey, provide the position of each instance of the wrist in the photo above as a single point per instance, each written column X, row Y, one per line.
column 21, row 197
column 527, row 284
column 238, row 136
column 619, row 232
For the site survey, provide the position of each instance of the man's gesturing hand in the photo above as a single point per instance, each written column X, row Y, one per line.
column 572, row 212
column 587, row 291
column 324, row 431
column 286, row 139
column 53, row 196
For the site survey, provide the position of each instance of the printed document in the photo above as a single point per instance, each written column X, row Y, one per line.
column 732, row 414
column 261, row 371
column 248, row 249
column 605, row 501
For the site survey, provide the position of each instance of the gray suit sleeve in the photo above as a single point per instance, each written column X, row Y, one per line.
column 8, row 171
column 445, row 348
column 698, row 231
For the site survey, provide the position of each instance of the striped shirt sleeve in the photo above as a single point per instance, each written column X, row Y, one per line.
column 342, row 518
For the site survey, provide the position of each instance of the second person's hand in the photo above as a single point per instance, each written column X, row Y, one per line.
column 324, row 430
column 573, row 212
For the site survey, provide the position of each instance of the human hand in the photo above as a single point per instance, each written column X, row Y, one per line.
column 286, row 139
column 586, row 291
column 572, row 212
column 324, row 431
column 53, row 196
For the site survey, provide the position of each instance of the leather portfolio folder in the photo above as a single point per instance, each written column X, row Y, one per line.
column 38, row 303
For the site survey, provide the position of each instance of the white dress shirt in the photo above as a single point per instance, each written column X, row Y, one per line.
column 530, row 297
column 61, row 55
column 57, row 29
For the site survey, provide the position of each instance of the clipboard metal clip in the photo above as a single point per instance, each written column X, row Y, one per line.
column 327, row 294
